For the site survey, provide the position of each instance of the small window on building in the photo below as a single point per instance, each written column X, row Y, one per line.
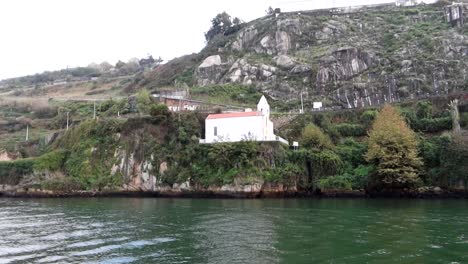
column 215, row 131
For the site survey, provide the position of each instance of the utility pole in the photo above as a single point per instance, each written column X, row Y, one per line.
column 68, row 115
column 94, row 111
column 302, row 104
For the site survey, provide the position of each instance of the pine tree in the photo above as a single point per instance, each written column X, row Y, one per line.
column 393, row 150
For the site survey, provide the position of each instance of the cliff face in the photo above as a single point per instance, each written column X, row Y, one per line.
column 149, row 154
column 349, row 58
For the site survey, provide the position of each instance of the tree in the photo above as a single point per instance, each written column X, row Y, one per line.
column 105, row 66
column 393, row 149
column 159, row 110
column 146, row 62
column 454, row 161
column 270, row 11
column 132, row 66
column 313, row 137
column 236, row 21
column 144, row 101
column 221, row 24
column 120, row 64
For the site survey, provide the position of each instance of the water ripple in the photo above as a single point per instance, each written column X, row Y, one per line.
column 231, row 231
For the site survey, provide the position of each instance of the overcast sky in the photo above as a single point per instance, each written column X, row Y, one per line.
column 36, row 36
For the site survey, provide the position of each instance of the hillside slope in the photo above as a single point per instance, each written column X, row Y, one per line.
column 349, row 58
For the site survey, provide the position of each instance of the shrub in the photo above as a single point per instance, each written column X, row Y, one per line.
column 360, row 176
column 159, row 109
column 350, row 130
column 454, row 161
column 45, row 112
column 144, row 101
column 424, row 109
column 368, row 117
column 352, row 153
column 434, row 125
column 428, row 125
column 52, row 161
column 335, row 183
column 324, row 163
column 313, row 137
column 464, row 120
column 11, row 172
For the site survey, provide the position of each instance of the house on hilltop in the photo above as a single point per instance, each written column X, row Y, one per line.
column 406, row 2
column 241, row 126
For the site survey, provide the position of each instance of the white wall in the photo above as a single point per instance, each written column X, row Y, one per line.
column 234, row 129
column 257, row 128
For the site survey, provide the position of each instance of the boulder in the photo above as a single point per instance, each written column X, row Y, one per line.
column 211, row 61
column 301, row 69
column 284, row 61
column 283, row 42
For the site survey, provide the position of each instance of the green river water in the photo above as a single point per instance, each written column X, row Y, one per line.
column 131, row 230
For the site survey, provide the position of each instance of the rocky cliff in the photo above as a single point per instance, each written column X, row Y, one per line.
column 152, row 154
column 344, row 57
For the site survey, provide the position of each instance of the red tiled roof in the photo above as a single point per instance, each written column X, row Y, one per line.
column 233, row 115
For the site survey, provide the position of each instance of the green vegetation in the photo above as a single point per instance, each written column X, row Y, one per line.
column 393, row 150
column 351, row 130
column 313, row 137
column 223, row 24
column 227, row 94
column 12, row 172
column 159, row 110
column 421, row 118
column 144, row 101
column 334, row 152
column 333, row 145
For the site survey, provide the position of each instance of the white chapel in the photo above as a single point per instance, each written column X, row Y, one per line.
column 240, row 126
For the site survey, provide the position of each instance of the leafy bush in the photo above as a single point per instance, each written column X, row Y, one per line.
column 313, row 137
column 351, row 130
column 335, row 183
column 424, row 109
column 352, row 153
column 368, row 117
column 45, row 112
column 433, row 125
column 227, row 93
column 144, row 101
column 464, row 120
column 454, row 162
column 360, row 176
column 52, row 161
column 11, row 172
column 324, row 163
column 427, row 125
column 159, row 110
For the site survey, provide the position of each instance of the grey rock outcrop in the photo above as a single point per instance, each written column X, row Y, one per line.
column 284, row 61
column 211, row 70
column 351, row 57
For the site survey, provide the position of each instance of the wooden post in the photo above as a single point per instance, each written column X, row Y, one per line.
column 27, row 132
